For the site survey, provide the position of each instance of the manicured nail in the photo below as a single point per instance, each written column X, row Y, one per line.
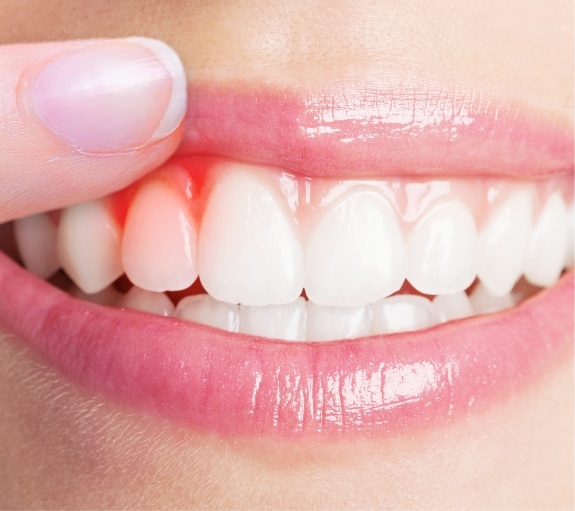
column 112, row 95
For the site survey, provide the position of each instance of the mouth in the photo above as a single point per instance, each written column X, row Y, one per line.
column 363, row 261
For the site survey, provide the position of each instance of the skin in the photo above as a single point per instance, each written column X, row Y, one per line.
column 63, row 447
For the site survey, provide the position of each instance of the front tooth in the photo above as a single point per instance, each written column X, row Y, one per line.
column 402, row 313
column 285, row 322
column 207, row 311
column 570, row 236
column 147, row 301
column 248, row 251
column 331, row 323
column 503, row 242
column 89, row 245
column 159, row 247
column 36, row 239
column 450, row 307
column 356, row 254
column 483, row 302
column 548, row 248
column 442, row 250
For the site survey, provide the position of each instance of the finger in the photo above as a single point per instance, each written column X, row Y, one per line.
column 81, row 119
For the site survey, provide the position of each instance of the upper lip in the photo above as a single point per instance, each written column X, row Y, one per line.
column 363, row 130
column 239, row 384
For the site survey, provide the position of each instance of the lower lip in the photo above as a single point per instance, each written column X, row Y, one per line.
column 239, row 385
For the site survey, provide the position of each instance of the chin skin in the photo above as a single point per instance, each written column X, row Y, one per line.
column 63, row 447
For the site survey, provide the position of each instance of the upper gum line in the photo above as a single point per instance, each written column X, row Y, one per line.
column 297, row 207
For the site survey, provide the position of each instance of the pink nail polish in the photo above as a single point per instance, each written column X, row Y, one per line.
column 112, row 95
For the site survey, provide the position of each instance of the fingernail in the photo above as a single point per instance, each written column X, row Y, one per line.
column 112, row 95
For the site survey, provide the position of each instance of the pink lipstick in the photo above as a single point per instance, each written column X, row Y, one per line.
column 363, row 131
column 233, row 384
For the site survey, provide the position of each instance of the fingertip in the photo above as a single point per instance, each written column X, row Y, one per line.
column 112, row 95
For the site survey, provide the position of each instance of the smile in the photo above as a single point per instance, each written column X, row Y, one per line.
column 348, row 262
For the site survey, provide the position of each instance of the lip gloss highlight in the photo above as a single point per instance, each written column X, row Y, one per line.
column 401, row 129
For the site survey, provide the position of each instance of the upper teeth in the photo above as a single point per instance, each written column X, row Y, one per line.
column 259, row 237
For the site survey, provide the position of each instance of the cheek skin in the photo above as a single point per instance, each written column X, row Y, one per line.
column 65, row 442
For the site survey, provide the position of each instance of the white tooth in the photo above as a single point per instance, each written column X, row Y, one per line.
column 89, row 245
column 450, row 307
column 356, row 254
column 402, row 313
column 503, row 243
column 207, row 311
column 442, row 250
column 108, row 296
column 331, row 323
column 285, row 322
column 483, row 302
column 36, row 239
column 159, row 247
column 147, row 301
column 548, row 248
column 248, row 251
column 570, row 236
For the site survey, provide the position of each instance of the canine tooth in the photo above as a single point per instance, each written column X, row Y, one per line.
column 285, row 322
column 330, row 323
column 453, row 306
column 356, row 254
column 570, row 236
column 503, row 243
column 548, row 248
column 159, row 247
column 147, row 301
column 36, row 239
column 402, row 313
column 207, row 311
column 483, row 302
column 442, row 250
column 248, row 251
column 89, row 245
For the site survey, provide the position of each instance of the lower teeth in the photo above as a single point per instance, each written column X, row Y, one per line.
column 304, row 320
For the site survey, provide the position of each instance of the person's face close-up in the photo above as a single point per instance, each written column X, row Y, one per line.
column 351, row 287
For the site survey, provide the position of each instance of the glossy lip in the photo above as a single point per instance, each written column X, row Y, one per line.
column 234, row 384
column 359, row 130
